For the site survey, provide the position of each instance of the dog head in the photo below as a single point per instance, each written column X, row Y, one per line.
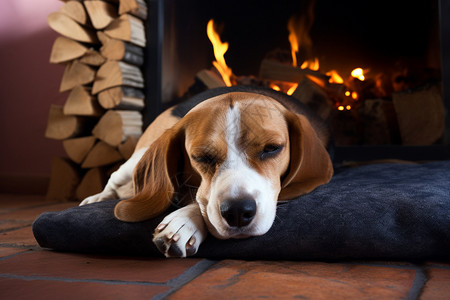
column 243, row 151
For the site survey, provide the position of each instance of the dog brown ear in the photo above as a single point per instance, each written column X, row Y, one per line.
column 154, row 179
column 310, row 165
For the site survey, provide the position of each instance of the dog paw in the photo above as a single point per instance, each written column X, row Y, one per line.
column 181, row 232
column 98, row 198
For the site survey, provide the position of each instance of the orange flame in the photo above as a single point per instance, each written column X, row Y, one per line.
column 219, row 51
column 359, row 74
column 294, row 44
column 334, row 77
column 311, row 64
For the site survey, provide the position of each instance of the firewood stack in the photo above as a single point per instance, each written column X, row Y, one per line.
column 102, row 49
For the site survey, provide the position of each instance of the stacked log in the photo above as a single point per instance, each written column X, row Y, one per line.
column 102, row 49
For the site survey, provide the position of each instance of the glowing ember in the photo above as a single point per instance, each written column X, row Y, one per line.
column 358, row 73
column 334, row 77
column 275, row 87
column 219, row 51
column 355, row 95
column 341, row 107
column 292, row 89
column 347, row 93
column 348, row 107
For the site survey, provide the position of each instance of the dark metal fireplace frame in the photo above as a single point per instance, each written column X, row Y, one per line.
column 157, row 37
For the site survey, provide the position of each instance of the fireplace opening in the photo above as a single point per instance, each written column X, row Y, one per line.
column 395, row 45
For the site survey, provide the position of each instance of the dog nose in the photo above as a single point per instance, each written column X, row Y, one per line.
column 238, row 213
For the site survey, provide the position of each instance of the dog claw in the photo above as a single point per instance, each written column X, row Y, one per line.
column 181, row 232
column 161, row 227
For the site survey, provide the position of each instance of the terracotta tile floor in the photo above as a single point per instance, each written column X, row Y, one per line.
column 29, row 272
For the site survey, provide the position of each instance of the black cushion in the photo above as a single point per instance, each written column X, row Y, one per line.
column 382, row 211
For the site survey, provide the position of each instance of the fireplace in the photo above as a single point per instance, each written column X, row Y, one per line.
column 343, row 38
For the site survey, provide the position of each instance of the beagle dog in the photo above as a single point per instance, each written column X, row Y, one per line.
column 225, row 158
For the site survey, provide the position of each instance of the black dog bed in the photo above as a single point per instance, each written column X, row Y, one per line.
column 382, row 211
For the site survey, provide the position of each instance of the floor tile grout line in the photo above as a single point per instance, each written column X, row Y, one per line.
column 186, row 277
column 15, row 228
column 375, row 264
column 63, row 279
column 25, row 250
column 13, row 210
column 419, row 282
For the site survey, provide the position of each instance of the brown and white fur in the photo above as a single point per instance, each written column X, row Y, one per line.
column 227, row 161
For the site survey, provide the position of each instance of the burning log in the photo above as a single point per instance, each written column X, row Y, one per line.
column 314, row 97
column 210, row 79
column 273, row 70
column 421, row 115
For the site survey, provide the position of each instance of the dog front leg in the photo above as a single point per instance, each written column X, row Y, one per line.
column 181, row 232
column 120, row 184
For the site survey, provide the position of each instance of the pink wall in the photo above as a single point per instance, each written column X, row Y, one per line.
column 28, row 85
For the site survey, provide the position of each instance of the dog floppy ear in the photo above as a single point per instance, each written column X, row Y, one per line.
column 310, row 165
column 154, row 178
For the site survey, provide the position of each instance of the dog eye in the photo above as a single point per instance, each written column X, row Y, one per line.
column 270, row 151
column 205, row 159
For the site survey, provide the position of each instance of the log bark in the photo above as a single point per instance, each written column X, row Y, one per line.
column 421, row 115
column 65, row 50
column 92, row 183
column 61, row 126
column 114, row 73
column 137, row 8
column 101, row 154
column 81, row 103
column 116, row 126
column 64, row 179
column 78, row 148
column 122, row 97
column 314, row 97
column 101, row 13
column 127, row 28
column 273, row 70
column 76, row 74
column 377, row 122
column 67, row 27
column 210, row 79
column 114, row 49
